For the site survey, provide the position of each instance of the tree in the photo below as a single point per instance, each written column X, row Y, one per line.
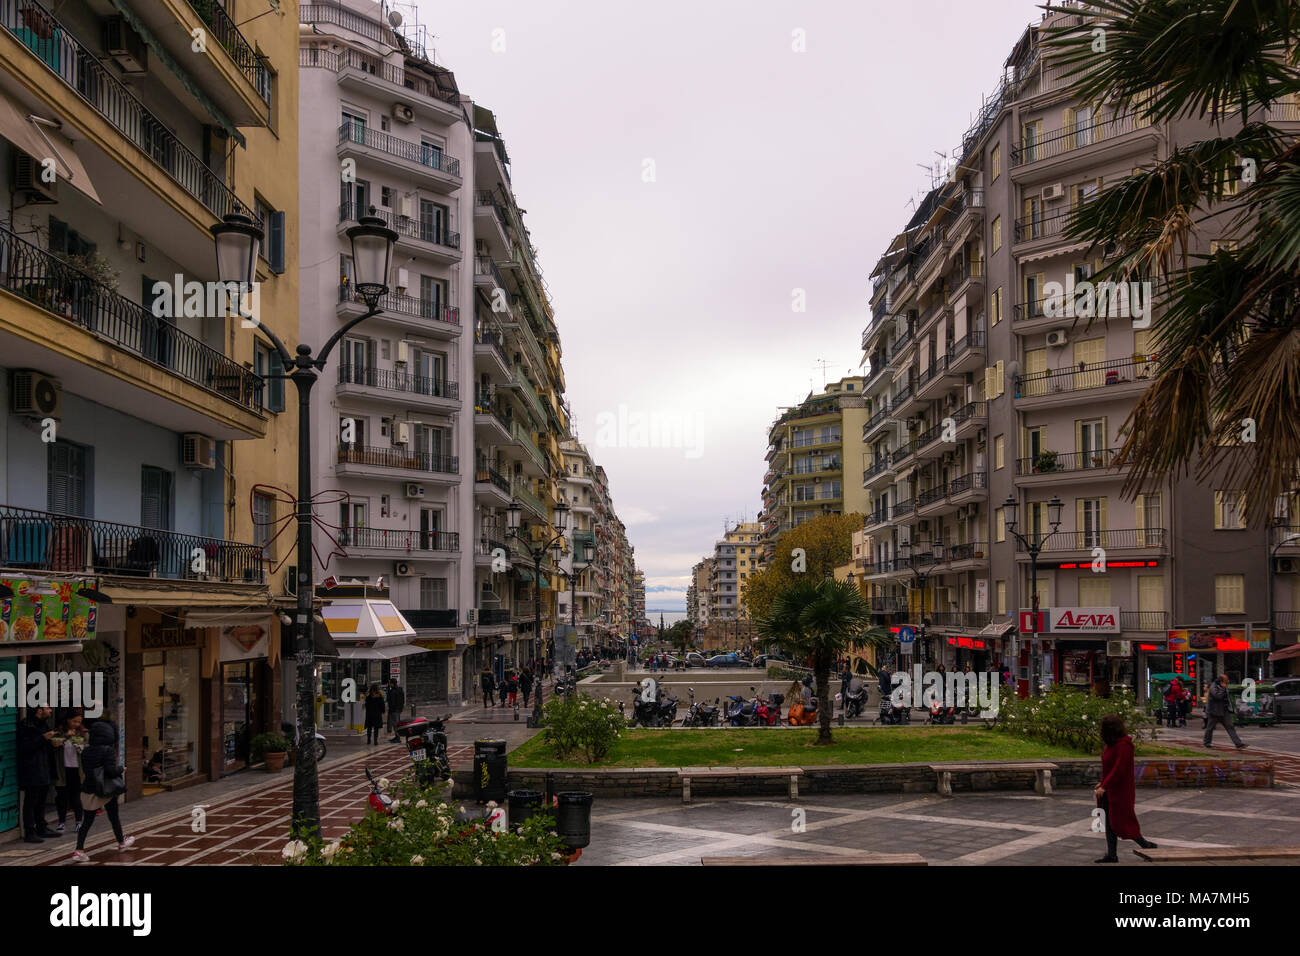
column 1227, row 380
column 821, row 618
column 680, row 636
column 826, row 542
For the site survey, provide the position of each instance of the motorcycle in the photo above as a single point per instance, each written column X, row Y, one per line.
column 855, row 699
column 291, row 733
column 889, row 714
column 426, row 745
column 741, row 712
column 768, row 710
column 649, row 704
column 701, row 715
column 566, row 685
column 666, row 709
column 379, row 801
column 802, row 715
column 940, row 714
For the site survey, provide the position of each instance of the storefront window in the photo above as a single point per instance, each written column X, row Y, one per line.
column 239, row 712
column 172, row 705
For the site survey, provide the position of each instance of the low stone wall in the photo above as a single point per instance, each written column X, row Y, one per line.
column 1082, row 772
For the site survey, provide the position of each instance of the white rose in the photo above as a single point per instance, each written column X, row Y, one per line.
column 397, row 824
column 293, row 850
column 383, row 783
column 422, row 803
column 330, row 849
column 417, row 860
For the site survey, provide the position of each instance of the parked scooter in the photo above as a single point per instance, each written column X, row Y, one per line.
column 939, row 714
column 768, row 709
column 651, row 707
column 701, row 714
column 426, row 745
column 291, row 733
column 741, row 712
column 855, row 699
column 889, row 714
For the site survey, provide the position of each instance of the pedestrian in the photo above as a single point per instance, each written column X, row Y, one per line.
column 105, row 782
column 374, row 714
column 1219, row 711
column 503, row 688
column 1184, row 707
column 396, row 703
column 487, row 684
column 70, row 741
column 512, row 683
column 1173, row 700
column 526, row 684
column 886, row 681
column 1117, row 792
column 35, row 751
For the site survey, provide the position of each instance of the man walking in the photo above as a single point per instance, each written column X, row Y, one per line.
column 487, row 684
column 34, row 754
column 526, row 683
column 396, row 703
column 1217, row 711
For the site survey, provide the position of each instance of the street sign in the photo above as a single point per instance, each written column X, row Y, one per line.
column 906, row 635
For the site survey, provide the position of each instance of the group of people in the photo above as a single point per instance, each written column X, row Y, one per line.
column 661, row 662
column 81, row 764
column 506, row 691
column 379, row 704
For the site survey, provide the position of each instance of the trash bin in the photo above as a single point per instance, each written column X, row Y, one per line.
column 573, row 818
column 489, row 770
column 523, row 804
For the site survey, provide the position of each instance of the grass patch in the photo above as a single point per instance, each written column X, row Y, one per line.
column 774, row 747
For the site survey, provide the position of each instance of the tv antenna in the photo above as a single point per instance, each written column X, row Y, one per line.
column 824, row 366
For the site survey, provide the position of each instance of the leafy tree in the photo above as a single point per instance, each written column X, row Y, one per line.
column 827, row 542
column 821, row 618
column 1228, row 337
column 680, row 635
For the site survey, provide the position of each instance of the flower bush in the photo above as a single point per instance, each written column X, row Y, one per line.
column 423, row 830
column 578, row 724
column 1072, row 718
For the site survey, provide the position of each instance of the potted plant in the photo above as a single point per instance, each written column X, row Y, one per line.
column 1045, row 462
column 273, row 748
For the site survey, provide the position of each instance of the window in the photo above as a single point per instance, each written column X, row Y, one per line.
column 995, row 163
column 155, row 498
column 1094, row 591
column 1033, row 444
column 386, row 196
column 999, row 525
column 435, row 222
column 68, row 491
column 1229, row 510
column 995, row 305
column 355, row 199
column 1000, row 589
column 68, row 242
column 263, row 516
column 433, row 594
column 1031, row 136
column 267, row 362
column 1000, row 371
column 272, row 249
column 1151, row 594
column 997, row 233
column 1090, row 522
column 1031, row 225
column 431, row 154
column 1230, row 594
column 999, row 451
column 1081, row 193
column 356, row 123
column 1090, row 442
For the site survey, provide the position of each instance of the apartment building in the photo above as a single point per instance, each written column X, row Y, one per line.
column 638, row 600
column 980, row 392
column 805, row 460
column 138, row 422
column 698, row 594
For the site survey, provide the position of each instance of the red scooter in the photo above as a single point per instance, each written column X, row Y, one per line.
column 379, row 801
column 768, row 711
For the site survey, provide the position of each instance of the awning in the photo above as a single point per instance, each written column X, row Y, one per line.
column 221, row 617
column 360, row 619
column 997, row 629
column 32, row 648
column 372, row 653
column 323, row 645
column 40, row 142
column 1055, row 251
column 1285, row 653
column 524, row 574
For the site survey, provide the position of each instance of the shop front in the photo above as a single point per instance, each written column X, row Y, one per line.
column 1200, row 654
column 1079, row 648
column 373, row 639
column 247, row 685
column 170, row 705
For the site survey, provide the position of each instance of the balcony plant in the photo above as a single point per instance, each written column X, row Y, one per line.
column 99, row 269
column 1045, row 461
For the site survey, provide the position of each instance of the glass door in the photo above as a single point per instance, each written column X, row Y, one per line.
column 236, row 714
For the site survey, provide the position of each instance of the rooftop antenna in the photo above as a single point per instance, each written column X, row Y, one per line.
column 824, row 365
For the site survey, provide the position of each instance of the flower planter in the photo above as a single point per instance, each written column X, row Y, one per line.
column 275, row 761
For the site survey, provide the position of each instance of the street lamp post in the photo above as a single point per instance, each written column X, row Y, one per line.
column 1010, row 510
column 238, row 240
column 572, row 576
column 537, row 551
column 909, row 557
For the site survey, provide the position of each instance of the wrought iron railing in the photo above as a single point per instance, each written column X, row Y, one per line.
column 419, row 153
column 46, row 280
column 386, row 539
column 402, row 304
column 970, row 551
column 492, row 476
column 973, row 339
column 69, row 544
column 232, row 41
column 931, row 496
column 1098, row 460
column 493, row 615
column 905, row 507
column 1085, row 376
column 399, row 458
column 485, row 267
column 421, row 229
column 1076, row 136
column 389, row 72
column 1125, row 538
column 971, row 481
column 393, row 381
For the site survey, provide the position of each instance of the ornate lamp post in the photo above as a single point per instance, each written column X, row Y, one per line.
column 913, row 561
column 537, row 550
column 238, row 240
column 1011, row 515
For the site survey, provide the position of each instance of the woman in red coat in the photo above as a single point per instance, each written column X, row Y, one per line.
column 1117, row 792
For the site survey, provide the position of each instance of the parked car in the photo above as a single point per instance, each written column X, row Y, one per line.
column 695, row 659
column 1286, row 698
column 722, row 660
column 762, row 660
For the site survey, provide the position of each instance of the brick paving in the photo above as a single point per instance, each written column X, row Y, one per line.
column 1281, row 744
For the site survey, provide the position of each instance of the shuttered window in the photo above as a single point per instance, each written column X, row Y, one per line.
column 1151, row 592
column 262, row 516
column 155, row 498
column 1094, row 591
column 1230, row 594
column 69, row 471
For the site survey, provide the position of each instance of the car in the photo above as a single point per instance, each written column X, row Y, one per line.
column 762, row 660
column 722, row 660
column 1286, row 698
column 695, row 659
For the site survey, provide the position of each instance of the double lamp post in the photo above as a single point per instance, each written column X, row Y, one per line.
column 1033, row 542
column 537, row 550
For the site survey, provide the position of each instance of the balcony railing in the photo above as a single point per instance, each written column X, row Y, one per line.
column 1068, row 138
column 420, row 153
column 400, row 304
column 968, row 411
column 522, row 492
column 399, row 458
column 901, row 395
column 879, row 465
column 366, row 63
column 46, row 541
column 887, row 605
column 905, row 507
column 232, row 41
column 880, row 415
column 971, row 481
column 807, row 441
column 936, row 368
column 1286, row 535
column 82, row 71
column 51, row 283
column 493, row 616
column 931, row 496
column 973, row 339
column 900, row 344
column 403, row 225
column 1037, row 226
column 392, row 381
column 970, row 619
column 484, row 266
column 1098, row 460
column 491, row 476
column 492, row 339
column 825, row 494
column 1144, row 620
column 525, row 438
column 1086, row 376
column 970, row 551
column 1128, row 538
column 394, row 540
column 929, row 436
column 879, row 516
column 421, row 619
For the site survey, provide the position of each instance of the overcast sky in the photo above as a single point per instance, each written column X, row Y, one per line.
column 684, row 171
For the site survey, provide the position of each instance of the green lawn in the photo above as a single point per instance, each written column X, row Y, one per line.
column 775, row 747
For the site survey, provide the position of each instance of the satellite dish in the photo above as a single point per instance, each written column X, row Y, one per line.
column 394, row 19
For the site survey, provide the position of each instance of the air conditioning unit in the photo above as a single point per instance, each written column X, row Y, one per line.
column 1055, row 191
column 406, row 207
column 198, row 451
column 401, row 433
column 125, row 46
column 27, row 180
column 403, row 113
column 402, row 569
column 403, row 280
column 1119, row 648
column 1057, row 337
column 471, row 616
column 1286, row 566
column 35, row 394
column 413, row 490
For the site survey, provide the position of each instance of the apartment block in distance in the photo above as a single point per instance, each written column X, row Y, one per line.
column 977, row 393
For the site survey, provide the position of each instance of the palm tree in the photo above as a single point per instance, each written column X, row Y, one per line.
column 1228, row 338
column 821, row 618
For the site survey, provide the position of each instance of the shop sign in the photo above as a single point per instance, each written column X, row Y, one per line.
column 973, row 643
column 45, row 611
column 155, row 638
column 1226, row 640
column 1073, row 620
column 243, row 642
column 982, row 596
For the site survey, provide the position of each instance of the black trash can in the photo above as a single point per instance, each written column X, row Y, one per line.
column 489, row 770
column 523, row 804
column 573, row 818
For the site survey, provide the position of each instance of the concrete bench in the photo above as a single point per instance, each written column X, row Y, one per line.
column 1180, row 854
column 1042, row 773
column 792, row 774
column 816, row 859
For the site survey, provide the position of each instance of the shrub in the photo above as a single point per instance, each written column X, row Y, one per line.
column 264, row 744
column 578, row 724
column 423, row 830
column 1072, row 718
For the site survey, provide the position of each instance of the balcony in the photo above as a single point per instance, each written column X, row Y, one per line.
column 904, row 508
column 1119, row 379
column 396, row 462
column 490, row 349
column 365, row 72
column 935, row 380
column 902, row 458
column 971, row 209
column 418, row 389
column 967, row 352
column 888, row 605
column 68, row 544
column 425, row 620
column 418, row 315
column 812, row 441
column 1153, row 621
column 969, row 419
column 80, row 70
column 1061, row 144
column 972, row 486
column 533, row 400
column 878, row 516
column 967, row 277
column 928, row 444
column 938, row 493
column 523, row 438
column 241, row 52
column 529, row 500
column 490, row 420
column 876, row 469
column 419, row 161
column 419, row 235
column 407, row 542
column 491, row 486
column 486, row 273
column 1285, row 536
column 825, row 494
column 876, row 421
column 1096, row 464
column 808, row 466
column 1129, row 539
column 901, row 345
column 136, row 335
column 968, row 555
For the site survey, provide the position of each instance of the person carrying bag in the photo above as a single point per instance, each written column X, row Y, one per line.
column 105, row 781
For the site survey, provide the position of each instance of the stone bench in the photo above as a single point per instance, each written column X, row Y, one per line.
column 1213, row 854
column 792, row 775
column 819, row 859
column 1042, row 773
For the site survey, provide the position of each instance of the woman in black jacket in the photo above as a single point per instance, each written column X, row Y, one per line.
column 374, row 714
column 101, row 754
